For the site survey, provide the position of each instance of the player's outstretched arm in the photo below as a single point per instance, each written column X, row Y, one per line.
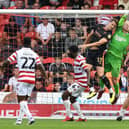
column 95, row 44
column 122, row 20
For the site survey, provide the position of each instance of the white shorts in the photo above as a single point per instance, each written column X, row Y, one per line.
column 75, row 89
column 23, row 89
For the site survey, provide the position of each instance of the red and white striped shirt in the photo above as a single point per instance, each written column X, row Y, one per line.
column 80, row 74
column 26, row 59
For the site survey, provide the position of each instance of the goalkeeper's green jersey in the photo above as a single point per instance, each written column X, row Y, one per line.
column 119, row 41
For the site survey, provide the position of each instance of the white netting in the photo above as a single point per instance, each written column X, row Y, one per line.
column 63, row 24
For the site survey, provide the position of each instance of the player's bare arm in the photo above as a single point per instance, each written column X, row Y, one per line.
column 95, row 44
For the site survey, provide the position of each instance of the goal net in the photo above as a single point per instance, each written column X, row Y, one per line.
column 52, row 32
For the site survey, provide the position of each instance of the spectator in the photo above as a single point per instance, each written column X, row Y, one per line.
column 123, row 81
column 4, row 3
column 3, row 80
column 45, row 31
column 75, row 4
column 38, row 73
column 125, row 3
column 20, row 20
column 44, row 2
column 57, row 45
column 111, row 3
column 32, row 34
column 12, row 33
column 39, row 86
column 64, row 30
column 57, row 24
column 67, row 81
column 81, row 30
column 29, row 3
column 86, row 6
column 121, row 7
column 50, row 86
column 35, row 20
column 55, row 3
column 72, row 40
column 12, row 83
column 57, row 70
column 90, row 2
column 57, row 87
column 18, row 4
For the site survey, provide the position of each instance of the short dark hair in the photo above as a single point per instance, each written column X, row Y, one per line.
column 87, row 4
column 73, row 49
column 27, row 42
column 121, row 6
column 115, row 19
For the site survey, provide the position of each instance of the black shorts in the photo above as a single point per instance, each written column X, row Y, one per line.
column 94, row 57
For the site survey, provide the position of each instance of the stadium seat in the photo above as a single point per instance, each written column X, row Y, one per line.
column 94, row 8
column 68, row 60
column 61, row 8
column 45, row 7
column 31, row 35
column 48, row 60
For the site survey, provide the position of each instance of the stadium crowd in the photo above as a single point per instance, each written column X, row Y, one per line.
column 64, row 4
column 51, row 38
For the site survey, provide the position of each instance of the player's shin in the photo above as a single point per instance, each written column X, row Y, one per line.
column 101, row 83
column 21, row 112
column 122, row 112
column 105, row 81
column 67, row 107
column 116, row 87
column 77, row 108
column 26, row 109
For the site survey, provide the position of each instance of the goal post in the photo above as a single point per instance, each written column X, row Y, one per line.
column 51, row 102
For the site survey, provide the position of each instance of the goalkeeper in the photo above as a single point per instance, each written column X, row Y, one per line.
column 115, row 55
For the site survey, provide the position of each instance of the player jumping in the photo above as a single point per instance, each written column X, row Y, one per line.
column 96, row 43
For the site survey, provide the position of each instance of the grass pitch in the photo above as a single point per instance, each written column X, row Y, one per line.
column 58, row 124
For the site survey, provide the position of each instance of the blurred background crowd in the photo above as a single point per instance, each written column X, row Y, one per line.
column 51, row 38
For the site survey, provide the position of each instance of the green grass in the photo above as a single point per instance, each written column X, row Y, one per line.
column 58, row 124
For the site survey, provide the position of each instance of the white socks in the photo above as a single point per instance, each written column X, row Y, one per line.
column 111, row 90
column 122, row 112
column 67, row 107
column 21, row 112
column 92, row 89
column 24, row 109
column 77, row 108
